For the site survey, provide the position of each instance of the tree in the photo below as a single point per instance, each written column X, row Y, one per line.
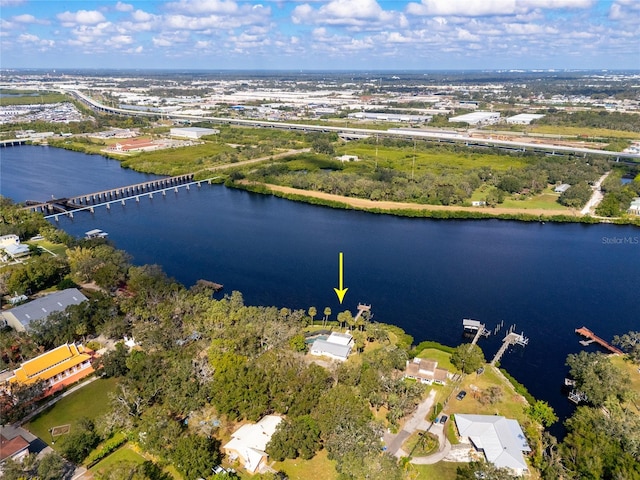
column 630, row 344
column 313, row 311
column 467, row 357
column 597, row 377
column 51, row 467
column 484, row 470
column 327, row 312
column 542, row 413
column 194, row 456
column 298, row 437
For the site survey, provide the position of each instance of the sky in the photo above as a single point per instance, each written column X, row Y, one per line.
column 321, row 35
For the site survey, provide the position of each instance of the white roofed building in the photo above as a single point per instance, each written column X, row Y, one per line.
column 477, row 118
column 193, row 132
column 524, row 118
column 337, row 346
column 500, row 439
column 248, row 443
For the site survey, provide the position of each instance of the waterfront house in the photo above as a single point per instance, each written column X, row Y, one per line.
column 11, row 246
column 337, row 346
column 248, row 443
column 426, row 371
column 500, row 439
column 21, row 316
column 634, row 208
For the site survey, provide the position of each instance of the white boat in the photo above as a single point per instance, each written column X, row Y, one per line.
column 95, row 233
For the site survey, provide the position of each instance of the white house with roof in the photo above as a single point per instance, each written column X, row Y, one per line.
column 634, row 208
column 500, row 439
column 248, row 443
column 12, row 247
column 337, row 346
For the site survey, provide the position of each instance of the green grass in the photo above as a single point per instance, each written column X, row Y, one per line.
column 27, row 98
column 437, row 471
column 90, row 401
column 547, row 201
column 583, row 131
column 124, row 454
column 421, row 444
column 435, row 161
column 443, row 358
column 318, row 468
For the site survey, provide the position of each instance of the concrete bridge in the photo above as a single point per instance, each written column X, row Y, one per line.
column 89, row 201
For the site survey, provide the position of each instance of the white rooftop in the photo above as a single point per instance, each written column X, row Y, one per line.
column 500, row 438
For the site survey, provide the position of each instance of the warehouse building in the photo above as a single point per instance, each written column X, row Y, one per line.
column 477, row 118
column 524, row 118
column 193, row 132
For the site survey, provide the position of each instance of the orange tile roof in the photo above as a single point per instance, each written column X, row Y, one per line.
column 51, row 363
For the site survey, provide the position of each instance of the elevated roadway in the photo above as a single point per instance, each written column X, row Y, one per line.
column 410, row 134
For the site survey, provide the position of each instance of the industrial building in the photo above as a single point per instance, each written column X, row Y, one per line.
column 193, row 132
column 477, row 118
column 524, row 118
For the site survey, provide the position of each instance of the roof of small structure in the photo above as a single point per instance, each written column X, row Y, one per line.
column 251, row 439
column 11, row 447
column 320, row 346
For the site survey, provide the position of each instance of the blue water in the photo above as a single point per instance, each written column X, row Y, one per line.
column 423, row 275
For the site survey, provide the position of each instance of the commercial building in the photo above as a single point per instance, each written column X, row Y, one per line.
column 524, row 118
column 477, row 118
column 193, row 132
column 20, row 317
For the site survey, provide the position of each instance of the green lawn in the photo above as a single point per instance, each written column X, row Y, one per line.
column 438, row 471
column 124, row 454
column 318, row 468
column 90, row 401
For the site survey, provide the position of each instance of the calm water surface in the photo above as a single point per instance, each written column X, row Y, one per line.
column 423, row 275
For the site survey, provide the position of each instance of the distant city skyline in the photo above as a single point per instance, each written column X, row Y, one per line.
column 321, row 35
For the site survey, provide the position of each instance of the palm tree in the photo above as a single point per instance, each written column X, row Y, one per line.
column 312, row 313
column 327, row 312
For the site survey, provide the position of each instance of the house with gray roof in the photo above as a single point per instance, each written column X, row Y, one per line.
column 337, row 346
column 20, row 317
column 500, row 439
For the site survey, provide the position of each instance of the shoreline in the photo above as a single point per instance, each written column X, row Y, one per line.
column 420, row 210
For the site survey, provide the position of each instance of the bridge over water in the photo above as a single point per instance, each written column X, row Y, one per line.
column 89, row 201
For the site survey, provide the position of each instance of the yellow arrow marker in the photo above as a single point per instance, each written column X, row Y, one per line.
column 341, row 291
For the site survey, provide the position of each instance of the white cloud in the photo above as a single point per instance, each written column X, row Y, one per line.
column 350, row 13
column 28, row 19
column 480, row 8
column 124, row 7
column 82, row 17
column 198, row 7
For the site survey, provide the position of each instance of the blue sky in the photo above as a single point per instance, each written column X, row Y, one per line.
column 319, row 34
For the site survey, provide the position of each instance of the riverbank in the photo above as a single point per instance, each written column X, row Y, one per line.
column 423, row 211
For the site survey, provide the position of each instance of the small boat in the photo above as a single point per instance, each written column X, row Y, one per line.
column 95, row 233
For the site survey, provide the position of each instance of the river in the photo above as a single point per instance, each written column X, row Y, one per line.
column 422, row 275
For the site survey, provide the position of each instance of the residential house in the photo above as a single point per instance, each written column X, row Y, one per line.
column 337, row 346
column 634, row 208
column 500, row 439
column 248, row 443
column 426, row 371
column 12, row 445
column 57, row 368
column 11, row 246
column 20, row 317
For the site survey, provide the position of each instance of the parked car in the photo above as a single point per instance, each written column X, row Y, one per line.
column 443, row 419
column 461, row 395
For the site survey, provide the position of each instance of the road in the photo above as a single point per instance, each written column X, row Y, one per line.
column 596, row 196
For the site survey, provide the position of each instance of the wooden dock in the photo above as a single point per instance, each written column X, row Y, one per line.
column 361, row 309
column 512, row 338
column 585, row 332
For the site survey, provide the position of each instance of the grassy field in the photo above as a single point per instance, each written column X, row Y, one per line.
column 124, row 454
column 583, row 132
column 436, row 161
column 438, row 471
column 318, row 468
column 30, row 97
column 443, row 358
column 90, row 401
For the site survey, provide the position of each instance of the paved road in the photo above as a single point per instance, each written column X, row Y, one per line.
column 596, row 196
column 417, row 421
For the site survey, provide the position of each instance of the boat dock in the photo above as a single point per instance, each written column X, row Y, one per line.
column 475, row 327
column 361, row 309
column 512, row 338
column 585, row 332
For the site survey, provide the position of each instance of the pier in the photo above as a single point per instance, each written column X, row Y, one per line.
column 585, row 332
column 88, row 202
column 361, row 309
column 512, row 338
column 474, row 326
